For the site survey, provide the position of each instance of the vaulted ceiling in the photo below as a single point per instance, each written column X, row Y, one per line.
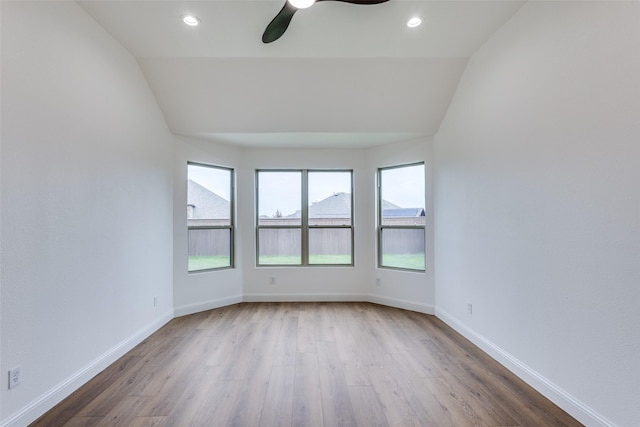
column 342, row 75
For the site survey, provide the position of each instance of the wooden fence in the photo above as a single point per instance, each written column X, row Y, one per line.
column 322, row 241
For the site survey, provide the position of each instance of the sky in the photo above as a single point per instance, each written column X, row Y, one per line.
column 404, row 186
column 280, row 191
column 213, row 179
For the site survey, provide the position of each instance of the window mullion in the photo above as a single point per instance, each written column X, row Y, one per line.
column 332, row 247
column 305, row 218
column 379, row 228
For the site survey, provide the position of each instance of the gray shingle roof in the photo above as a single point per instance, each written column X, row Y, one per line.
column 336, row 206
column 339, row 206
column 206, row 204
column 388, row 205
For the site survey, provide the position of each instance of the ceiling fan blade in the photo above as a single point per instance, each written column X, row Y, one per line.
column 279, row 24
column 358, row 1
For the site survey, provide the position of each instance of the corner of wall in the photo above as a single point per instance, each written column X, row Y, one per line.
column 543, row 385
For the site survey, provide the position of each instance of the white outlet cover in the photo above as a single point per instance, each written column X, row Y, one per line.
column 15, row 376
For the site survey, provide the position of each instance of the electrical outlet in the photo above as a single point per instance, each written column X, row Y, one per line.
column 155, row 301
column 15, row 376
column 272, row 280
column 378, row 281
column 469, row 308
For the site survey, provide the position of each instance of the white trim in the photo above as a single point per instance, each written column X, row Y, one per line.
column 48, row 400
column 557, row 395
column 401, row 303
column 272, row 297
column 187, row 309
column 376, row 299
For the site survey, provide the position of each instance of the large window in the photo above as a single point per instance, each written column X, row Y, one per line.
column 210, row 217
column 304, row 217
column 401, row 217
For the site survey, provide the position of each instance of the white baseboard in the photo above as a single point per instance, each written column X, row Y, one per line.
column 376, row 299
column 400, row 303
column 304, row 297
column 272, row 297
column 557, row 395
column 41, row 405
column 184, row 310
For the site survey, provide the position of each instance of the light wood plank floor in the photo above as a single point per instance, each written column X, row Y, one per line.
column 306, row 364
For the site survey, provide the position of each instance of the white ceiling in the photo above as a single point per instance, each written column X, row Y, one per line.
column 342, row 75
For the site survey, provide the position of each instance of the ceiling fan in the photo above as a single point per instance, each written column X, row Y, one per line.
column 279, row 24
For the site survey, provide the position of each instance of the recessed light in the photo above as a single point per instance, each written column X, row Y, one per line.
column 190, row 20
column 301, row 4
column 414, row 22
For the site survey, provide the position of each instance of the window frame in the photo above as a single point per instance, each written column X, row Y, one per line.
column 381, row 226
column 230, row 226
column 304, row 226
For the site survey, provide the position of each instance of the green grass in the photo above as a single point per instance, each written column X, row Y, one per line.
column 330, row 259
column 409, row 261
column 280, row 260
column 313, row 259
column 197, row 263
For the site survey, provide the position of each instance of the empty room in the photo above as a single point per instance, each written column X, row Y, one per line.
column 362, row 212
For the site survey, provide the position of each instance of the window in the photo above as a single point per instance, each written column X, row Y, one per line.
column 401, row 217
column 279, row 217
column 330, row 221
column 210, row 217
column 304, row 217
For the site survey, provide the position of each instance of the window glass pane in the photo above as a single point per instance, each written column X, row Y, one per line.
column 329, row 198
column 402, row 195
column 403, row 248
column 209, row 205
column 209, row 248
column 330, row 246
column 208, row 196
column 280, row 246
column 279, row 198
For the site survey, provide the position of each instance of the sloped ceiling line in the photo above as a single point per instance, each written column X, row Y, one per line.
column 368, row 81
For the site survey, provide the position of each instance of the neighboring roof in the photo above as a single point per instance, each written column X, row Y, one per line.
column 206, row 204
column 388, row 205
column 339, row 206
column 336, row 206
column 403, row 212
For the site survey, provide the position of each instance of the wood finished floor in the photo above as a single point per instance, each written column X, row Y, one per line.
column 306, row 364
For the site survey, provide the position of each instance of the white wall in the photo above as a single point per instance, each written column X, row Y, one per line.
column 205, row 290
column 305, row 283
column 86, row 204
column 405, row 289
column 538, row 204
column 194, row 292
